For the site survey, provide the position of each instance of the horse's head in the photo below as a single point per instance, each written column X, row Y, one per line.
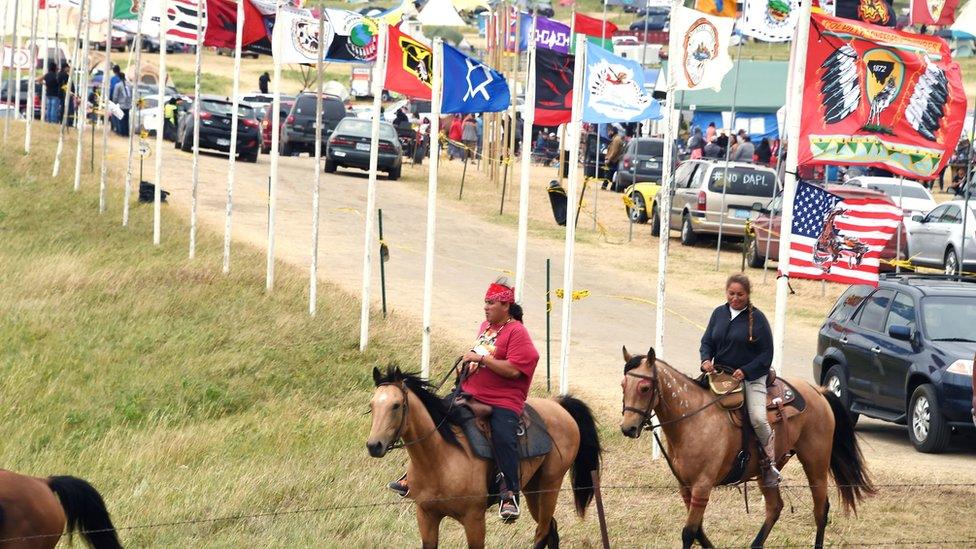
column 389, row 409
column 640, row 392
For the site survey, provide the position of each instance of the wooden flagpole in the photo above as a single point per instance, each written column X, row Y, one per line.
column 437, row 84
column 3, row 46
column 32, row 75
column 81, row 114
column 160, row 100
column 106, row 112
column 378, row 82
column 46, row 59
column 313, row 271
column 528, row 118
column 195, row 170
column 135, row 114
column 232, row 158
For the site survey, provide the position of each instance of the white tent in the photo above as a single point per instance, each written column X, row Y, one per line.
column 440, row 13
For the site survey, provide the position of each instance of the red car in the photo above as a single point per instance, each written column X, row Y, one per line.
column 767, row 230
column 266, row 125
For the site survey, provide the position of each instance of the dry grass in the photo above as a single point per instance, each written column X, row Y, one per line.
column 185, row 395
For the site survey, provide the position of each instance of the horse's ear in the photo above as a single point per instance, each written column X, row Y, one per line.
column 650, row 356
column 397, row 374
column 628, row 356
column 377, row 376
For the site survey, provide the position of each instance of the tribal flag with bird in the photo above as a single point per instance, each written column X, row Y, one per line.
column 878, row 97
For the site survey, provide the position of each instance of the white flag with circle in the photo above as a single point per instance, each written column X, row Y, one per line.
column 699, row 46
column 770, row 20
column 296, row 36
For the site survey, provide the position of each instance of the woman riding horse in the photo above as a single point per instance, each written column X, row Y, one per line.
column 738, row 341
column 499, row 371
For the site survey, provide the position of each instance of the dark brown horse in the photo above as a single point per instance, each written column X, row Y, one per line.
column 702, row 443
column 448, row 480
column 34, row 512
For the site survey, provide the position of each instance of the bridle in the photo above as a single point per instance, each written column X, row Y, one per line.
column 645, row 423
column 397, row 440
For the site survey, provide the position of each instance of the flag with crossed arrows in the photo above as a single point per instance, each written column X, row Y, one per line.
column 470, row 86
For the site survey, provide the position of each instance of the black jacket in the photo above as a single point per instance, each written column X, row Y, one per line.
column 726, row 343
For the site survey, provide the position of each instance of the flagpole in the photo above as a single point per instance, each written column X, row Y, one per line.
column 14, row 76
column 106, row 114
column 379, row 82
column 273, row 183
column 232, row 159
column 437, row 84
column 571, row 204
column 728, row 150
column 47, row 58
column 794, row 101
column 68, row 99
column 135, row 121
column 970, row 180
column 528, row 118
column 313, row 276
column 81, row 114
column 160, row 100
column 195, row 169
column 32, row 74
column 3, row 46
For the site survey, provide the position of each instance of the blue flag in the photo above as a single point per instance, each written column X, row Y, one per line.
column 614, row 89
column 470, row 86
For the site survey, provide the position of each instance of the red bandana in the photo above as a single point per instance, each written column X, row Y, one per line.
column 498, row 292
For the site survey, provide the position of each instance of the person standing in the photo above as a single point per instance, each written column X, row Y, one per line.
column 744, row 151
column 469, row 135
column 116, row 78
column 764, row 153
column 122, row 97
column 263, row 81
column 55, row 97
column 66, row 94
column 454, row 135
column 615, row 150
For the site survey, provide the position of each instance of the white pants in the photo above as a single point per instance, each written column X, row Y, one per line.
column 755, row 395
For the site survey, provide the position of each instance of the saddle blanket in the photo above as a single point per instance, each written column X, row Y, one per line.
column 534, row 442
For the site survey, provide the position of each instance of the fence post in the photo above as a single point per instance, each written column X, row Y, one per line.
column 595, row 475
column 384, row 257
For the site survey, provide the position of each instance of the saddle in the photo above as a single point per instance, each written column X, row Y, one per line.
column 472, row 416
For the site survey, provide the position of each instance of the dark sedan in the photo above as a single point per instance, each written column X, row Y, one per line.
column 657, row 19
column 215, row 122
column 903, row 352
column 642, row 161
column 349, row 146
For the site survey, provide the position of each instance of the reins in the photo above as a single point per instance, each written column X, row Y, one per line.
column 397, row 440
column 646, row 423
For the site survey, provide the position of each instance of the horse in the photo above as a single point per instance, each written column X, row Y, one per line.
column 447, row 480
column 34, row 512
column 703, row 443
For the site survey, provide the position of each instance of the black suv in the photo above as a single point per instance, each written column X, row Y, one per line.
column 298, row 131
column 903, row 352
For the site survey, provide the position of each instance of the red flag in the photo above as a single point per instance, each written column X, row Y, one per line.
column 591, row 26
column 553, row 87
column 878, row 97
column 408, row 69
column 933, row 12
column 254, row 26
column 221, row 24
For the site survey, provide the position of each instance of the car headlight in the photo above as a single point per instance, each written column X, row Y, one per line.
column 962, row 367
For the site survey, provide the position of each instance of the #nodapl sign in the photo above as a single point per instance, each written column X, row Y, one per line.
column 878, row 97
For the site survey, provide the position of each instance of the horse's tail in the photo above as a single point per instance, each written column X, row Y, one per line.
column 85, row 511
column 846, row 461
column 588, row 457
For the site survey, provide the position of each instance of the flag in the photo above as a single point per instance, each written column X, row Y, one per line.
column 824, row 6
column 596, row 30
column 221, row 23
column 549, row 34
column 879, row 97
column 876, row 12
column 614, row 89
column 255, row 26
column 355, row 37
column 296, row 36
column 700, row 49
column 934, row 12
column 720, row 8
column 409, row 67
column 515, row 34
column 181, row 24
column 553, row 87
column 770, row 20
column 125, row 10
column 839, row 240
column 470, row 86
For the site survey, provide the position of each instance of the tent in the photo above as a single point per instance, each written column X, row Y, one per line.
column 440, row 13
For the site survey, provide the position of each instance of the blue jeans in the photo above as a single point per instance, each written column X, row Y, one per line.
column 53, row 110
column 504, row 439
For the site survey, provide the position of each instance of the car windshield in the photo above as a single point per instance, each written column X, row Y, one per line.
column 650, row 147
column 892, row 190
column 361, row 128
column 949, row 318
column 223, row 108
column 331, row 107
column 743, row 181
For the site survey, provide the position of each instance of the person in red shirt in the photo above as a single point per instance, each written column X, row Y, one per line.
column 455, row 134
column 499, row 370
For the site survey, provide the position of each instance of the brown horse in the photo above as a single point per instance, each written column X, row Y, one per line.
column 447, row 480
column 702, row 443
column 35, row 511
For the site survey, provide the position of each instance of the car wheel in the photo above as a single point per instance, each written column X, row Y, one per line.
column 927, row 428
column 655, row 220
column 286, row 149
column 330, row 166
column 252, row 158
column 688, row 236
column 186, row 144
column 393, row 174
column 637, row 211
column 753, row 257
column 951, row 262
column 836, row 382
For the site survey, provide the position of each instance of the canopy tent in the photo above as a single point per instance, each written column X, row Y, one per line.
column 757, row 125
column 761, row 89
column 440, row 13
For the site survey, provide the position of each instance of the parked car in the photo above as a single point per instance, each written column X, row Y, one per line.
column 696, row 208
column 911, row 196
column 229, row 52
column 215, row 122
column 657, row 19
column 349, row 147
column 936, row 238
column 121, row 41
column 903, row 352
column 24, row 90
column 767, row 229
column 264, row 115
column 298, row 132
column 643, row 160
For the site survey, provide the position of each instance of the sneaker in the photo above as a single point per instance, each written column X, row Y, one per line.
column 400, row 486
column 508, row 510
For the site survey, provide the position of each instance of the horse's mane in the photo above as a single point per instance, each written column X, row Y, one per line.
column 439, row 410
column 636, row 360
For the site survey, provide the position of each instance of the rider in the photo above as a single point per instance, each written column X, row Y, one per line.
column 738, row 341
column 500, row 367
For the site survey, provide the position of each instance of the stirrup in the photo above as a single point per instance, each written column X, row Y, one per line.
column 509, row 515
column 400, row 486
column 771, row 476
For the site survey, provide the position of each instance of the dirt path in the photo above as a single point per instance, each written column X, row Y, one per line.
column 470, row 252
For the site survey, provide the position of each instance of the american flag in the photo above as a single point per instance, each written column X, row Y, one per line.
column 858, row 230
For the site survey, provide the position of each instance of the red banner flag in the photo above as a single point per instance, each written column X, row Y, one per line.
column 255, row 28
column 409, row 67
column 591, row 26
column 553, row 87
column 879, row 97
column 221, row 24
column 933, row 12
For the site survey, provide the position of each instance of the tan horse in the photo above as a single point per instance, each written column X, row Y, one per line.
column 703, row 442
column 447, row 480
column 35, row 511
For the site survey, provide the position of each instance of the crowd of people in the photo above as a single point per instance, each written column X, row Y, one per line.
column 739, row 147
column 59, row 93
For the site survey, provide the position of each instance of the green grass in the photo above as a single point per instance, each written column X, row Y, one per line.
column 209, row 82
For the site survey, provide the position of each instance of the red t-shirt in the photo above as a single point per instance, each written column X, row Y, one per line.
column 514, row 345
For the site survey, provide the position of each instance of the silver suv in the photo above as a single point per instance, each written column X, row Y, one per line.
column 697, row 205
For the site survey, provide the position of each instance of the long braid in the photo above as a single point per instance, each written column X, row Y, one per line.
column 751, row 338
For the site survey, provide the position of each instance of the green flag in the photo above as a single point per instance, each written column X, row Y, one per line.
column 126, row 9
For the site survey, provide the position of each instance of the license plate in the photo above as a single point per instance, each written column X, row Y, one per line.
column 223, row 142
column 652, row 164
column 742, row 214
column 362, row 146
column 340, row 154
